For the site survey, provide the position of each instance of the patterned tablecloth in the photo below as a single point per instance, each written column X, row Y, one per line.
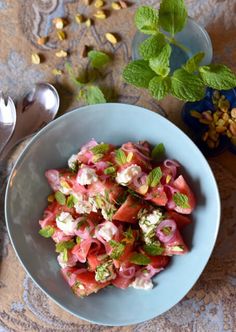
column 210, row 305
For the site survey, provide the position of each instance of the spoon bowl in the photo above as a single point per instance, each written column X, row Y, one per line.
column 37, row 109
column 7, row 120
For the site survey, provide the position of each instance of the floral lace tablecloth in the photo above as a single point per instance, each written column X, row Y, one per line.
column 210, row 305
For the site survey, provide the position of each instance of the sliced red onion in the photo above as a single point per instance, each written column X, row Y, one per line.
column 172, row 166
column 53, row 177
column 101, row 165
column 135, row 150
column 142, row 147
column 97, row 248
column 166, row 223
column 48, row 218
column 151, row 271
column 89, row 145
column 170, row 191
column 127, row 272
column 139, row 180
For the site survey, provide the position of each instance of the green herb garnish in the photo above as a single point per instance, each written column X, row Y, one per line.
column 158, row 151
column 153, row 249
column 120, row 157
column 65, row 255
column 70, row 201
column 181, row 200
column 140, row 259
column 118, row 249
column 47, row 231
column 100, row 148
column 110, row 170
column 60, row 246
column 152, row 72
column 60, row 198
column 86, row 88
column 98, row 59
column 154, row 177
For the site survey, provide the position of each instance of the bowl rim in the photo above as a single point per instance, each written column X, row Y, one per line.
column 54, row 123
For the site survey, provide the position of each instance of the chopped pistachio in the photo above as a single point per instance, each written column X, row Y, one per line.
column 78, row 18
column 99, row 3
column 56, row 72
column 61, row 54
column 100, row 14
column 59, row 23
column 61, row 35
column 111, row 38
column 42, row 40
column 51, row 198
column 35, row 58
column 88, row 23
column 116, row 6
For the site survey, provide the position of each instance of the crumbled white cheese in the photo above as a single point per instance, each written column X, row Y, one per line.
column 65, row 188
column 63, row 263
column 66, row 223
column 84, row 205
column 107, row 231
column 86, row 176
column 72, row 162
column 141, row 283
column 148, row 223
column 126, row 176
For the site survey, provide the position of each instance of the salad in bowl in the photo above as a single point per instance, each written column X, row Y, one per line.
column 116, row 215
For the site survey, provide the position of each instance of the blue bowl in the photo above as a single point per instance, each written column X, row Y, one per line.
column 199, row 129
column 26, row 198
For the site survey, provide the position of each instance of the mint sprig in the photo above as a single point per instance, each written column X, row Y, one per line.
column 152, row 72
column 86, row 88
column 139, row 259
column 47, row 231
column 181, row 200
column 172, row 16
column 98, row 59
column 146, row 20
column 154, row 177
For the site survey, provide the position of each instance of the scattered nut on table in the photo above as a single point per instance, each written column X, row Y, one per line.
column 35, row 58
column 111, row 38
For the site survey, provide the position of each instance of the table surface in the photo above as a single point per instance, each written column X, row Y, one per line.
column 210, row 305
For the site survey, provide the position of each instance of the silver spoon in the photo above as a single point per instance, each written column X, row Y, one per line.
column 7, row 120
column 37, row 108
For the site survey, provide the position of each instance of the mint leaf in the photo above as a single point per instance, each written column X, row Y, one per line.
column 158, row 151
column 218, row 77
column 159, row 87
column 138, row 73
column 152, row 46
column 94, row 95
column 65, row 255
column 140, row 259
column 118, row 249
column 98, row 59
column 100, row 148
column 47, row 231
column 109, row 170
column 72, row 75
column 60, row 246
column 181, row 200
column 172, row 15
column 120, row 157
column 154, row 177
column 70, row 201
column 153, row 249
column 60, row 198
column 146, row 20
column 160, row 64
column 186, row 86
column 193, row 63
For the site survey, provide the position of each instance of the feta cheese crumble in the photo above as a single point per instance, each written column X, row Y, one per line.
column 84, row 205
column 141, row 283
column 107, row 231
column 73, row 162
column 86, row 176
column 148, row 224
column 66, row 223
column 126, row 176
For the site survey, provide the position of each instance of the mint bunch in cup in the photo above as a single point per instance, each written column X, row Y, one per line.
column 153, row 72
